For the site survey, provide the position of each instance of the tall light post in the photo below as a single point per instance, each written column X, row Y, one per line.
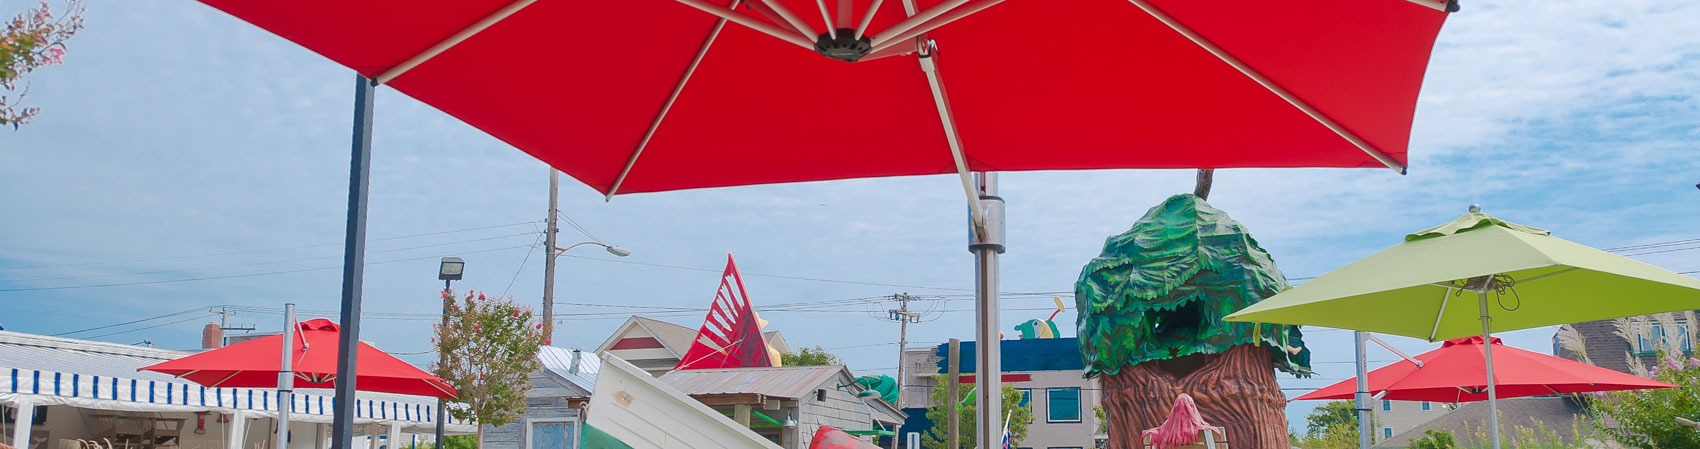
column 549, row 282
column 449, row 271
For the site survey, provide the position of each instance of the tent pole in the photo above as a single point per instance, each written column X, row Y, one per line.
column 353, row 264
column 286, row 378
column 1361, row 398
column 987, row 242
column 1487, row 348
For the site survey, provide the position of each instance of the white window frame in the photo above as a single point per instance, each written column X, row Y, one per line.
column 1386, row 433
column 1386, row 406
column 575, row 422
column 1427, row 406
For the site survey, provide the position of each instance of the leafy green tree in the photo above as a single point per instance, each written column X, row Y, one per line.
column 938, row 437
column 809, row 356
column 34, row 39
column 1103, row 419
column 1648, row 418
column 1435, row 439
column 1333, row 425
column 1329, row 415
column 489, row 350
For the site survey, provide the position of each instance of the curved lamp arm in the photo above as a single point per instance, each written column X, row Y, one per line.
column 615, row 250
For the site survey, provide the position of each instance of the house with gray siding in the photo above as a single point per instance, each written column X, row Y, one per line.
column 655, row 346
column 554, row 407
column 788, row 404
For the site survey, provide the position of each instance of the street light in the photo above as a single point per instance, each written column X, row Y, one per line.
column 451, row 269
column 615, row 250
column 549, row 282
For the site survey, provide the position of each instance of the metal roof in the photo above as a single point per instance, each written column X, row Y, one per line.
column 789, row 382
column 560, row 362
column 71, row 356
column 44, row 353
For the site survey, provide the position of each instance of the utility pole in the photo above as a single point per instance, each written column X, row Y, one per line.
column 903, row 317
column 549, row 257
column 224, row 315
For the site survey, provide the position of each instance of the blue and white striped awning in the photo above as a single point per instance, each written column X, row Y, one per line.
column 44, row 370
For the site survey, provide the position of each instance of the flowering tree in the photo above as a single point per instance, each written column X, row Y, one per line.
column 31, row 40
column 1648, row 418
column 489, row 350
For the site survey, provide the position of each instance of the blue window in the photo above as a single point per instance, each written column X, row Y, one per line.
column 1684, row 339
column 1647, row 341
column 1386, row 432
column 1426, row 406
column 1062, row 405
column 1026, row 398
column 1386, row 405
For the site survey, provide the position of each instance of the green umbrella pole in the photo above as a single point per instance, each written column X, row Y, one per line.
column 1361, row 398
column 1487, row 345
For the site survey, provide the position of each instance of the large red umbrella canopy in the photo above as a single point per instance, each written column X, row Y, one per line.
column 658, row 95
column 255, row 364
column 1455, row 373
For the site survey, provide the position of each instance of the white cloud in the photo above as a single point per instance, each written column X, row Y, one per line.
column 211, row 136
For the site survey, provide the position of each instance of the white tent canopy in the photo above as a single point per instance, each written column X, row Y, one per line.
column 38, row 370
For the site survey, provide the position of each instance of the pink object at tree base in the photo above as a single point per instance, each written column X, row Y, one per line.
column 1182, row 427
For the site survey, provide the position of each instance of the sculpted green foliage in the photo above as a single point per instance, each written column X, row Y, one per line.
column 1160, row 290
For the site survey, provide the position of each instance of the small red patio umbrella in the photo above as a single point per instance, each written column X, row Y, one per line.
column 1455, row 373
column 255, row 364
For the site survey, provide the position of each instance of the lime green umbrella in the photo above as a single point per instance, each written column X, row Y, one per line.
column 1474, row 276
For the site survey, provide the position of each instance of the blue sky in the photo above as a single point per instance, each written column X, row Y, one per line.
column 174, row 130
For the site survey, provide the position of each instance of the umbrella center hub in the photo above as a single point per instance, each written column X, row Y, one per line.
column 845, row 47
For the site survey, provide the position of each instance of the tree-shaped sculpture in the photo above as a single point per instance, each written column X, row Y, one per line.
column 1151, row 308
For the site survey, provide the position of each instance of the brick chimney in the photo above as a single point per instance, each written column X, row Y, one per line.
column 212, row 336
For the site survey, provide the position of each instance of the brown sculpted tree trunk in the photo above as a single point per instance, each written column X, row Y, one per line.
column 1234, row 390
column 1207, row 178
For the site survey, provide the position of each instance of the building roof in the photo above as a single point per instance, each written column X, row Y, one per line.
column 65, row 355
column 1553, row 411
column 560, row 362
column 1046, row 354
column 788, row 382
column 675, row 337
column 89, row 373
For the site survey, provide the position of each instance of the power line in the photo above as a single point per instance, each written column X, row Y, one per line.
column 232, row 276
column 104, row 262
column 775, row 276
column 1652, row 245
column 168, row 315
column 521, row 266
column 306, row 259
column 193, row 318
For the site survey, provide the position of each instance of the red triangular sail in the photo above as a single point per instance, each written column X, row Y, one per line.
column 730, row 336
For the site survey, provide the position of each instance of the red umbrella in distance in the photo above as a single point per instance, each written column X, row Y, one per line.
column 255, row 364
column 1454, row 373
